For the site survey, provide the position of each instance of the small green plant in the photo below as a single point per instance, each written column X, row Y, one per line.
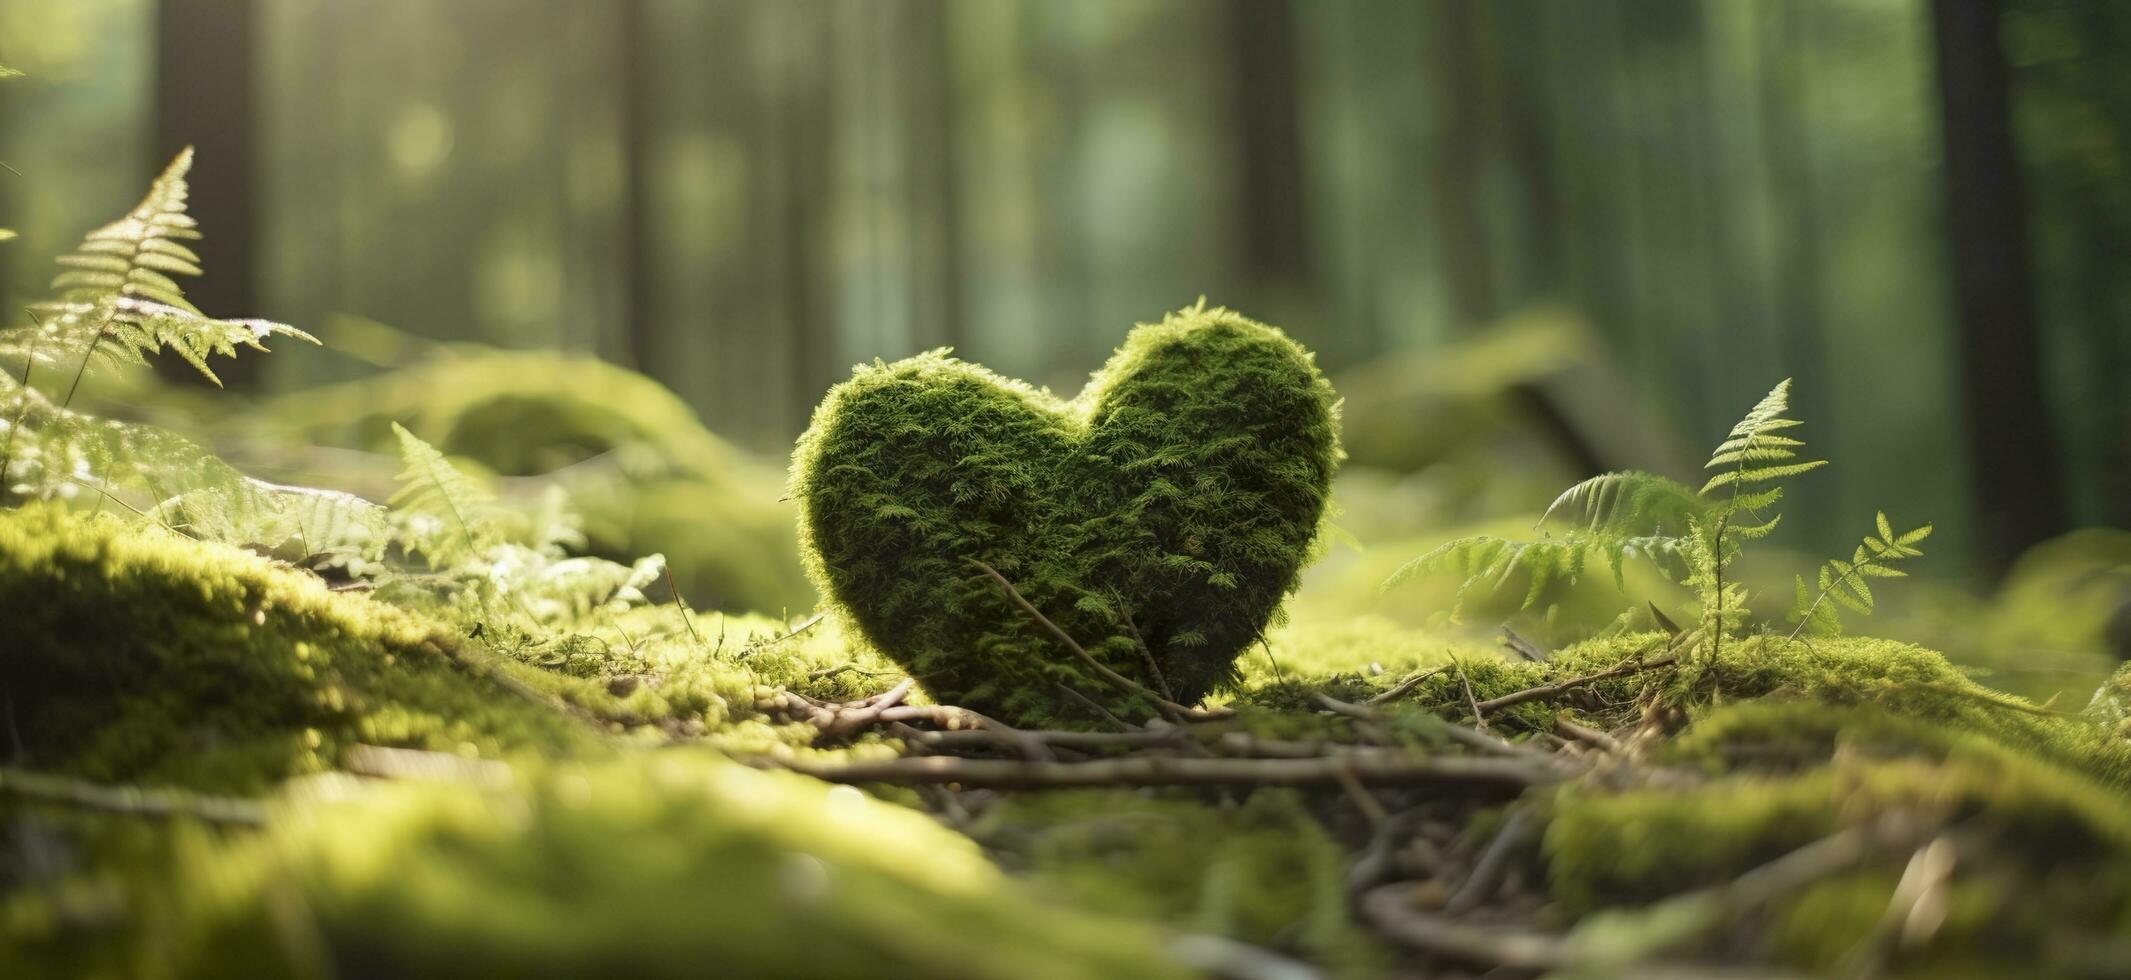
column 1692, row 535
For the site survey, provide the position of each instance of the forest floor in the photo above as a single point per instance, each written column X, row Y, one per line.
column 223, row 764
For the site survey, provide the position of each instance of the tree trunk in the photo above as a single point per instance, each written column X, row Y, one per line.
column 205, row 82
column 2012, row 455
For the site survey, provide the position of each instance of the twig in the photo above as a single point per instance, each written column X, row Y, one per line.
column 1584, row 733
column 1374, row 862
column 803, row 626
column 1146, row 653
column 1090, row 704
column 1479, row 717
column 1371, row 810
column 1523, row 647
column 1406, row 685
column 1481, row 776
column 1227, row 959
column 953, row 718
column 1487, row 873
column 1386, row 908
column 133, row 800
column 686, row 619
column 1548, row 692
column 1178, row 711
column 850, row 719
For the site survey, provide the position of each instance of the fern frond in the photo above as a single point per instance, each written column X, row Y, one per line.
column 1628, row 501
column 454, row 517
column 185, row 487
column 118, row 301
column 1845, row 583
column 1752, row 455
column 328, row 524
column 6, row 72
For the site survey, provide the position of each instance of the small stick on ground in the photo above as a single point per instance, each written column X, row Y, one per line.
column 1487, row 872
column 1387, row 908
column 1584, row 733
column 850, row 719
column 1548, row 692
column 1178, row 711
column 131, row 800
column 952, row 718
column 1479, row 716
column 1485, row 777
column 1406, row 686
column 1366, row 802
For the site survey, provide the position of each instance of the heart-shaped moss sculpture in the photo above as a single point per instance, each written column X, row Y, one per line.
column 1159, row 519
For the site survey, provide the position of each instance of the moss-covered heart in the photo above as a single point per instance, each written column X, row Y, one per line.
column 1159, row 518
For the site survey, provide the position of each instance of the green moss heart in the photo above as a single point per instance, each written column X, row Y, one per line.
column 1159, row 519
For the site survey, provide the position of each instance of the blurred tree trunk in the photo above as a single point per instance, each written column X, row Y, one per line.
column 635, row 55
column 1465, row 60
column 205, row 86
column 2012, row 456
column 1275, row 237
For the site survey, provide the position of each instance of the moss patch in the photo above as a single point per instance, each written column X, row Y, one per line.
column 673, row 865
column 1180, row 492
column 1262, row 871
column 139, row 656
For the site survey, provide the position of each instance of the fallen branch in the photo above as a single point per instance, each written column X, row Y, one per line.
column 130, row 800
column 1548, row 692
column 1406, row 685
column 1387, row 909
column 1484, row 776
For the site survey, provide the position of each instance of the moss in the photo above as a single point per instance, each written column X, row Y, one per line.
column 1263, row 872
column 2045, row 848
column 1185, row 485
column 138, row 655
column 674, row 864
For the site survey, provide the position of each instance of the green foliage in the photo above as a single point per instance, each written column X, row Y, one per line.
column 453, row 518
column 1693, row 535
column 118, row 303
column 639, row 466
column 1844, row 581
column 1176, row 498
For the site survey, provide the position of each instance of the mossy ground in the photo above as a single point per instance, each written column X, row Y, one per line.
column 625, row 838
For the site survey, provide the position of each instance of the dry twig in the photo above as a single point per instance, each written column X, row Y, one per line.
column 1126, row 684
column 1372, row 767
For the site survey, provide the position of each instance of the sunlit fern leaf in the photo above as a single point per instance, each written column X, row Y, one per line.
column 573, row 588
column 453, row 518
column 1752, row 455
column 6, row 233
column 1630, row 501
column 323, row 524
column 6, row 72
column 164, row 476
column 118, row 301
column 1842, row 584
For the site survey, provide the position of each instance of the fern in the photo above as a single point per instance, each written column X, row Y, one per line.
column 1691, row 535
column 1844, row 581
column 119, row 303
column 454, row 519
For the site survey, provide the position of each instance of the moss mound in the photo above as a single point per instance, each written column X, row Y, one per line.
column 672, row 865
column 653, row 478
column 141, row 656
column 1178, row 494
